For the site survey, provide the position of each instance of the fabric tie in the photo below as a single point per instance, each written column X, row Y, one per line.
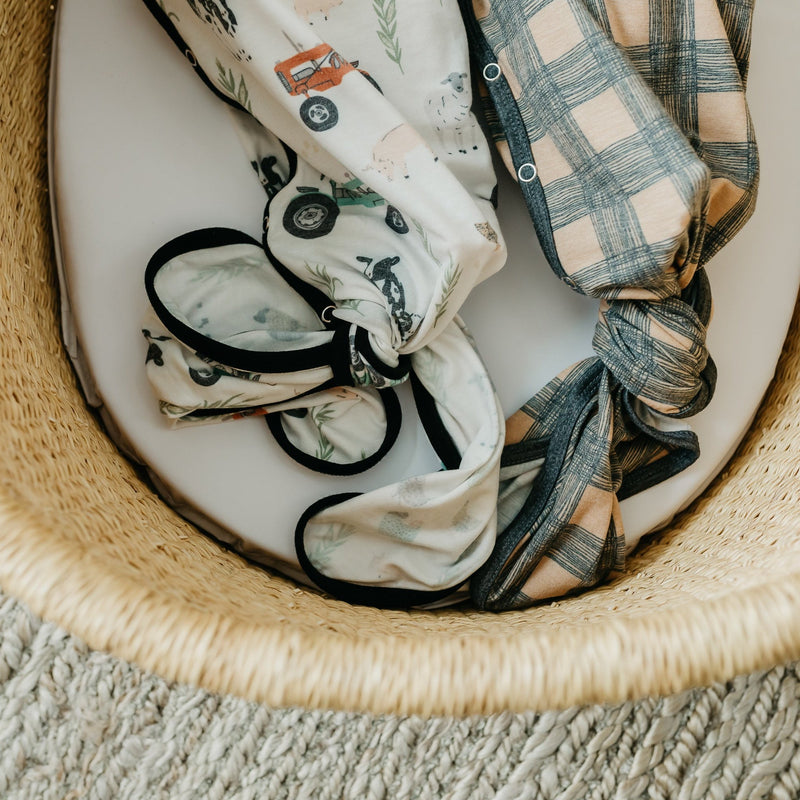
column 229, row 338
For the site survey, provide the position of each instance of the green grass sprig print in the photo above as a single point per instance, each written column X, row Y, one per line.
column 449, row 281
column 327, row 544
column 238, row 91
column 422, row 233
column 319, row 416
column 320, row 275
column 386, row 12
column 450, row 276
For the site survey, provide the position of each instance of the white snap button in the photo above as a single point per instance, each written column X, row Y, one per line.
column 492, row 71
column 527, row 172
column 327, row 314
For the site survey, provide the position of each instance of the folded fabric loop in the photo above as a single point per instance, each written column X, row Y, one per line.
column 572, row 453
column 386, row 206
column 379, row 212
column 417, row 541
column 229, row 338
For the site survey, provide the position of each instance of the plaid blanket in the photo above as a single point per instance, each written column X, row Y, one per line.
column 627, row 129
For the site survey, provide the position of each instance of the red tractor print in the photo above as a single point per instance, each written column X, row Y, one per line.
column 319, row 69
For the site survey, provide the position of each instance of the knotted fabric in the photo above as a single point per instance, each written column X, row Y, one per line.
column 626, row 127
column 379, row 220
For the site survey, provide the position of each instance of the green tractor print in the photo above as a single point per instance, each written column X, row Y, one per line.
column 313, row 213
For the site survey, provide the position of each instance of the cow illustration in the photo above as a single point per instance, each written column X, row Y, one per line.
column 216, row 12
column 269, row 178
column 305, row 8
column 448, row 108
column 154, row 352
column 390, row 153
column 382, row 274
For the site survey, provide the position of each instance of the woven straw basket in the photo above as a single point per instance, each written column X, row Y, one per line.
column 86, row 543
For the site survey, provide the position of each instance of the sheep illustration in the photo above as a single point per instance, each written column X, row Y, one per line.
column 278, row 324
column 397, row 525
column 390, row 153
column 305, row 8
column 412, row 492
column 447, row 108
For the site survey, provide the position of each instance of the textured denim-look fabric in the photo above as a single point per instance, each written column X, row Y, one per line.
column 627, row 128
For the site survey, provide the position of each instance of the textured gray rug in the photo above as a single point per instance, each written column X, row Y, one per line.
column 75, row 723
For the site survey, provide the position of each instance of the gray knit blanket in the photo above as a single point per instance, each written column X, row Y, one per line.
column 75, row 724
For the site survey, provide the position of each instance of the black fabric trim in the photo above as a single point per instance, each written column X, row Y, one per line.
column 521, row 452
column 364, row 347
column 543, row 484
column 325, row 355
column 394, row 418
column 358, row 594
column 438, row 435
column 517, row 138
column 684, row 450
column 166, row 23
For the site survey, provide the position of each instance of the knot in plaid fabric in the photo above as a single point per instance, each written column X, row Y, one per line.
column 635, row 118
column 657, row 351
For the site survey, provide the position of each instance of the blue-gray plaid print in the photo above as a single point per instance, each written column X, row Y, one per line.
column 634, row 116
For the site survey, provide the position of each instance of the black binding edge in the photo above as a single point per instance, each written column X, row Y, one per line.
column 355, row 593
column 394, row 418
column 542, row 487
column 435, row 429
column 517, row 139
column 328, row 354
column 364, row 347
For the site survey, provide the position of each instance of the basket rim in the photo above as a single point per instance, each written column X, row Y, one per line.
column 692, row 644
column 673, row 648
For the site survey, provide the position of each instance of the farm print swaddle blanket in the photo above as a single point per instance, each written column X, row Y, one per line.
column 379, row 221
column 627, row 129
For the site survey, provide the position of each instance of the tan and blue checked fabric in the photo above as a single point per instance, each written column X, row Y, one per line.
column 627, row 128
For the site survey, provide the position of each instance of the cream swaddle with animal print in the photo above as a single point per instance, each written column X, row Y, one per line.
column 379, row 221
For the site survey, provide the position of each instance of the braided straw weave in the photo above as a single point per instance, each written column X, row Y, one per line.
column 80, row 725
column 87, row 544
